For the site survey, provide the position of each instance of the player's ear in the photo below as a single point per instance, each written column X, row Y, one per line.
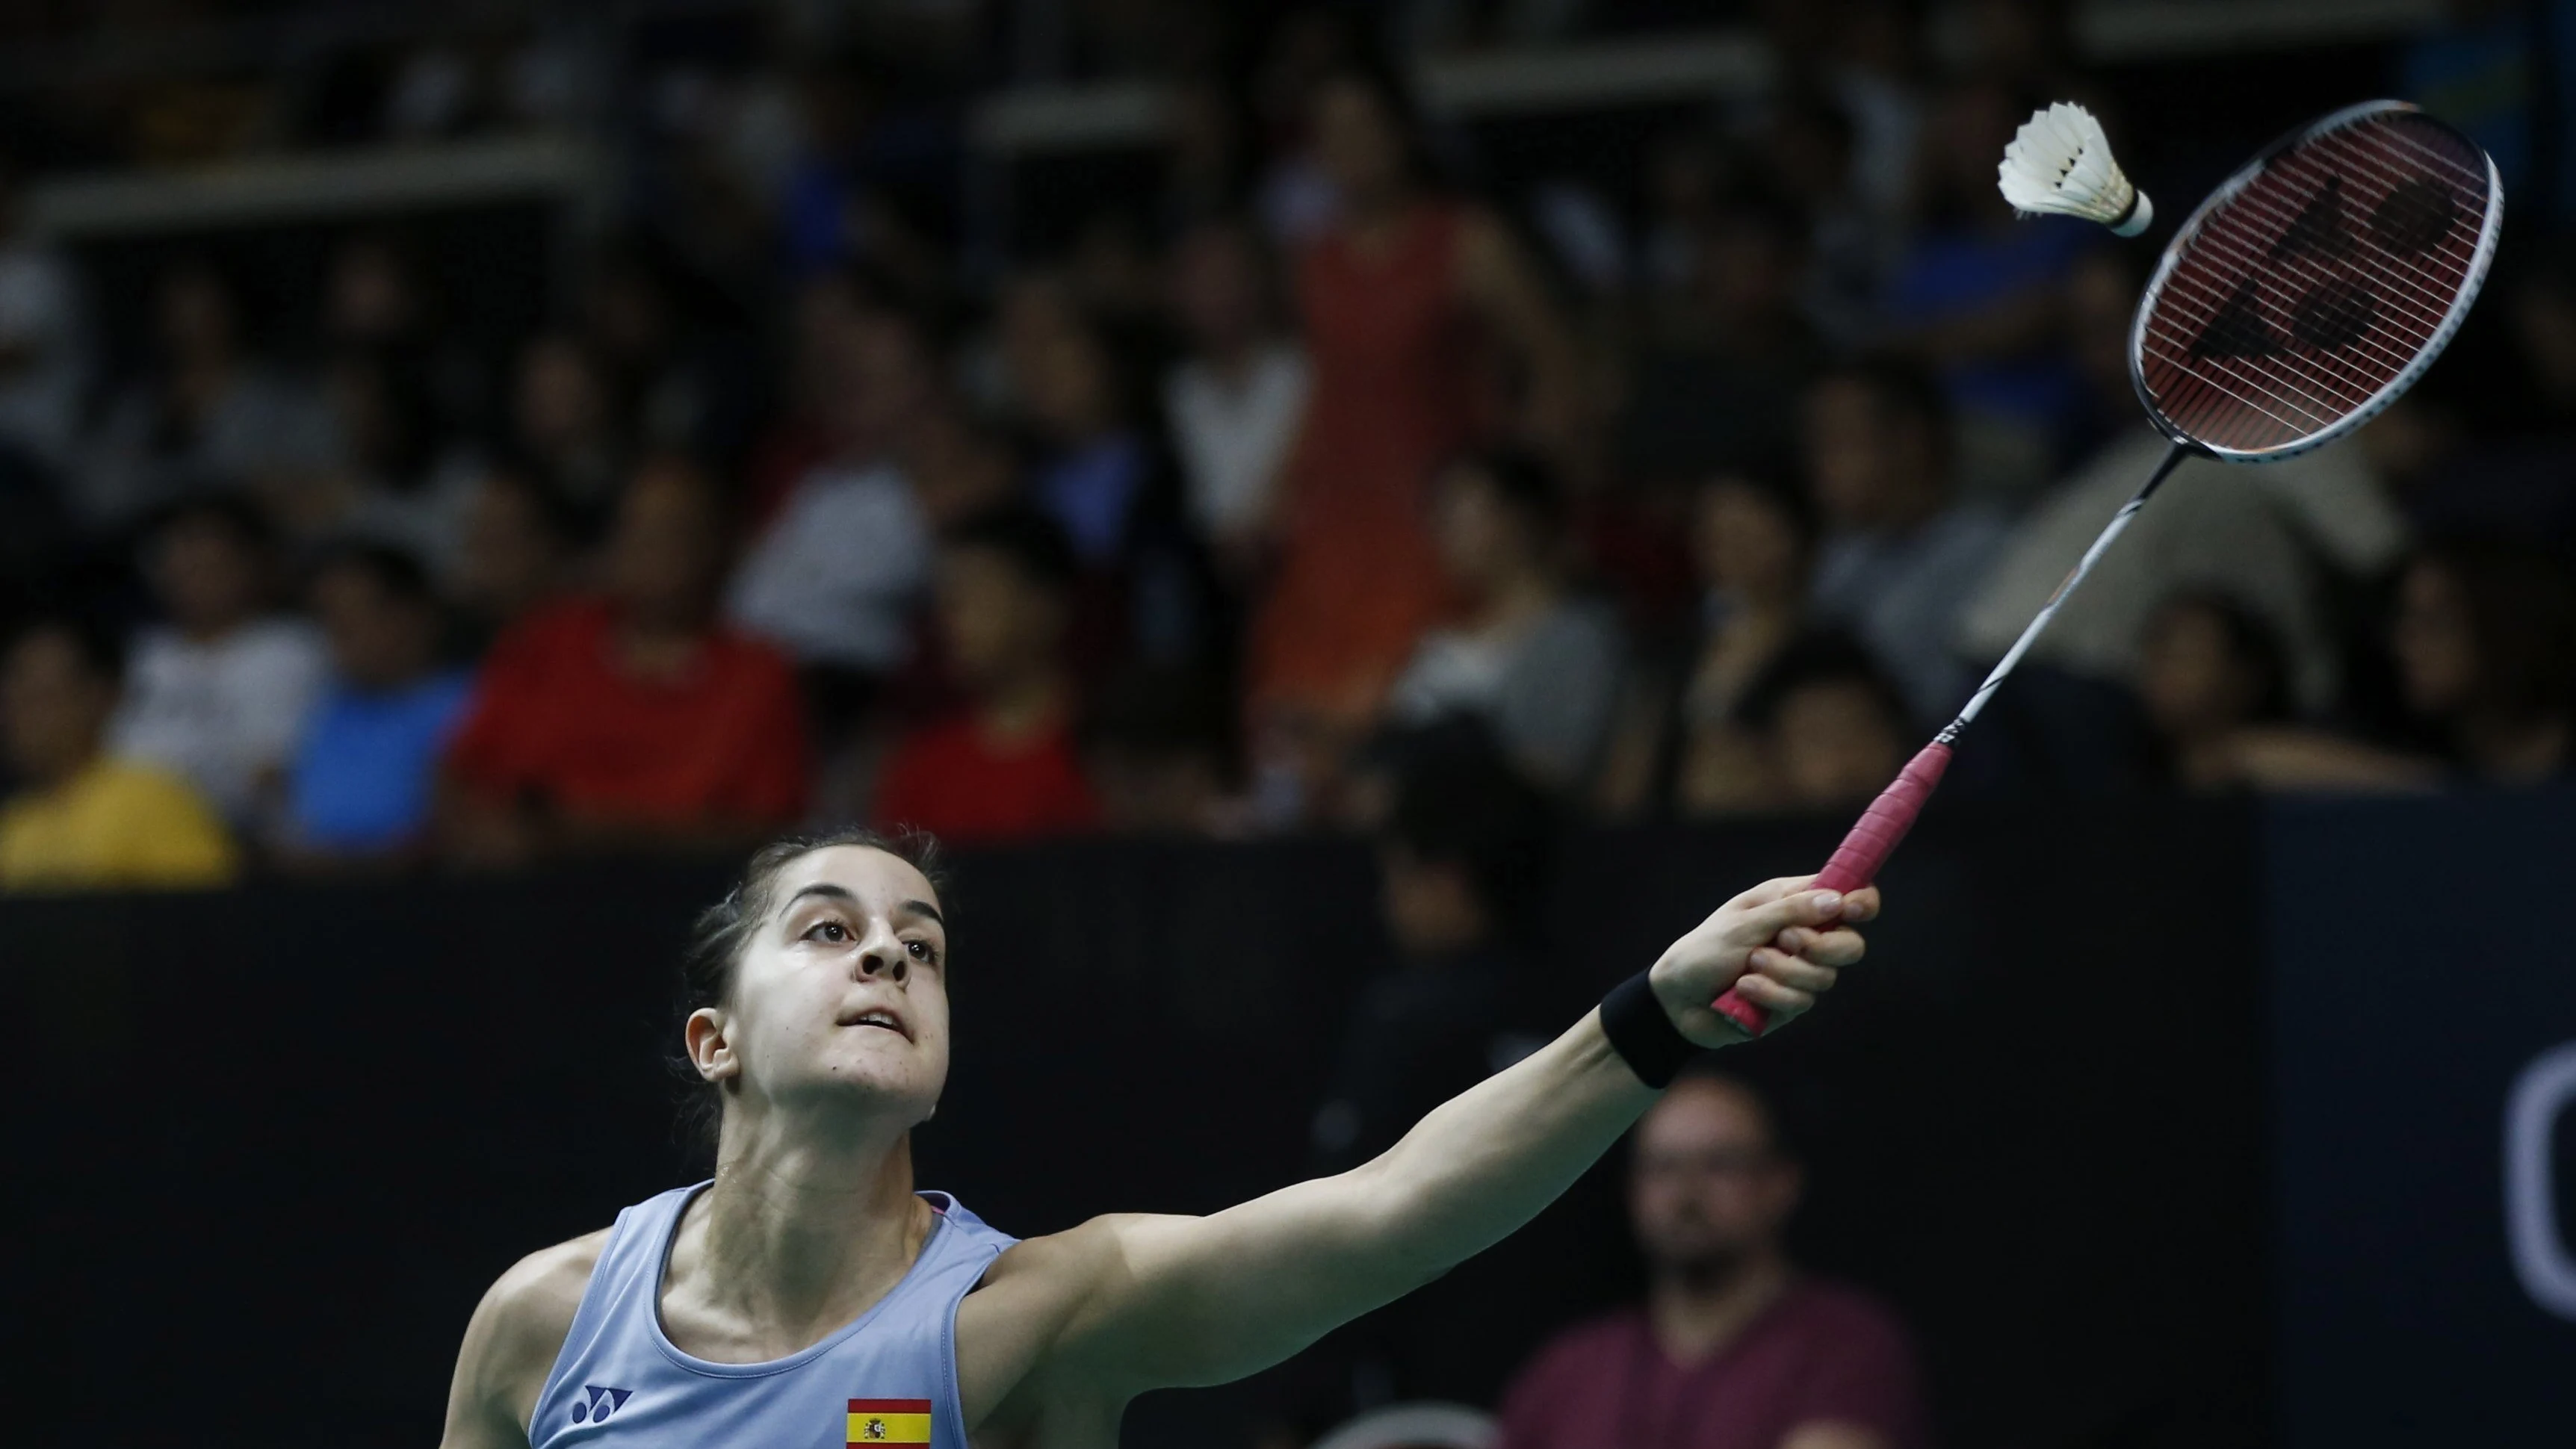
column 708, row 1049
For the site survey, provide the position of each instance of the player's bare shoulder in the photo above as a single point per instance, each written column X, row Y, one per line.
column 511, row 1344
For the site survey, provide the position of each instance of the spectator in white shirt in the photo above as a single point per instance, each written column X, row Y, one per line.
column 1235, row 401
column 1537, row 663
column 1901, row 555
column 834, row 577
column 220, row 690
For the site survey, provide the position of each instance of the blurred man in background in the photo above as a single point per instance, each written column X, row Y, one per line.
column 1463, row 859
column 1830, row 725
column 86, row 820
column 1523, row 654
column 208, row 410
column 1003, row 766
column 220, row 689
column 1901, row 554
column 632, row 717
column 361, row 782
column 1734, row 1348
column 1462, row 863
column 1235, row 400
column 517, row 555
column 834, row 576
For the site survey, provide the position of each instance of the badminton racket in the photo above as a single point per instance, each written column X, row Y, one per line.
column 2305, row 295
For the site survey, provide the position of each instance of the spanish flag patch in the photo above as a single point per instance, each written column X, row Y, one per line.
column 889, row 1421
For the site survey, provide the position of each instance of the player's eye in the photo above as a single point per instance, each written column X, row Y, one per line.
column 923, row 952
column 832, row 932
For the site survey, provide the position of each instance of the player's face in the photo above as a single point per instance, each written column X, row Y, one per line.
column 841, row 993
column 1706, row 1188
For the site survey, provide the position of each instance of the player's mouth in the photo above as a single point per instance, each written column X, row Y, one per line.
column 876, row 1016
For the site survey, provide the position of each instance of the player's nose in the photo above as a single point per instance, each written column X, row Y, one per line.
column 882, row 954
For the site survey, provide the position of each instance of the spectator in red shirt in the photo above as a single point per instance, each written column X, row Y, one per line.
column 1002, row 767
column 1733, row 1348
column 631, row 717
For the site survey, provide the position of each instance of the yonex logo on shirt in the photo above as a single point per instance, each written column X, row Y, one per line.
column 598, row 1403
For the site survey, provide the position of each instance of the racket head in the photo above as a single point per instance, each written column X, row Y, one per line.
column 2317, row 284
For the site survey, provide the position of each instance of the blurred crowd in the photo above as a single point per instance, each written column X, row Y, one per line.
column 1321, row 455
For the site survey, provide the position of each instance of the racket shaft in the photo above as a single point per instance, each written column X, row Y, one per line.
column 1855, row 863
column 1887, row 819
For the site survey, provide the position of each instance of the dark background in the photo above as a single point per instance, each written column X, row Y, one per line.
column 283, row 1139
column 2104, row 1079
column 2404, row 1011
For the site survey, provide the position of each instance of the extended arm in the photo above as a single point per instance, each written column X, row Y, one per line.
column 1175, row 1300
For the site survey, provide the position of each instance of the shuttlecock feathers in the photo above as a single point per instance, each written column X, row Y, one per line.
column 2060, row 164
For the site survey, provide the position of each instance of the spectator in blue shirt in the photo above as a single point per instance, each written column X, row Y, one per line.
column 361, row 781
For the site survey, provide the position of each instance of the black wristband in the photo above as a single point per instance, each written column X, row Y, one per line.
column 1642, row 1034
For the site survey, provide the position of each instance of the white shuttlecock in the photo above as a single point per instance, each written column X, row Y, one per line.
column 2060, row 164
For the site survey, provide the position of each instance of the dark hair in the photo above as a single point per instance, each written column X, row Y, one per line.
column 562, row 521
column 1520, row 482
column 1764, row 208
column 882, row 295
column 1807, row 104
column 2251, row 642
column 1902, row 385
column 718, row 935
column 1458, row 801
column 244, row 522
column 395, row 570
column 403, row 386
column 1818, row 658
column 1765, row 483
column 1377, row 73
column 99, row 647
column 1710, row 1070
column 1031, row 542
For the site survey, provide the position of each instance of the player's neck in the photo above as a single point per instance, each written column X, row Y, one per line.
column 802, row 1235
column 1693, row 1316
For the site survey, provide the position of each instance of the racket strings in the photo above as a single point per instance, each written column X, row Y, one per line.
column 2394, row 349
column 2383, row 257
column 2332, row 324
column 2394, row 346
column 2406, row 290
column 2350, row 384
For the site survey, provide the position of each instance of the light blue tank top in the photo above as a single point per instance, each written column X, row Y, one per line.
column 888, row 1378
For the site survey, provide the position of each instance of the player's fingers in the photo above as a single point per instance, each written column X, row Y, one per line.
column 1804, row 973
column 1771, row 996
column 1826, row 947
column 1800, row 908
column 1770, row 891
column 1861, row 905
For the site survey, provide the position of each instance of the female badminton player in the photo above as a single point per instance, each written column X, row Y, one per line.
column 808, row 1296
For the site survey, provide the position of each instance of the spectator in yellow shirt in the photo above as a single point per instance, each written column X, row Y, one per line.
column 85, row 821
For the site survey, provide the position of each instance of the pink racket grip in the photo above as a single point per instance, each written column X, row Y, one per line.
column 1855, row 864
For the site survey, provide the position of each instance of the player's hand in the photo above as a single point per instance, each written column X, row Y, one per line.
column 1780, row 945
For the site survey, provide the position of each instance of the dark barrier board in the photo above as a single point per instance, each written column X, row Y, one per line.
column 279, row 1141
column 2422, row 979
